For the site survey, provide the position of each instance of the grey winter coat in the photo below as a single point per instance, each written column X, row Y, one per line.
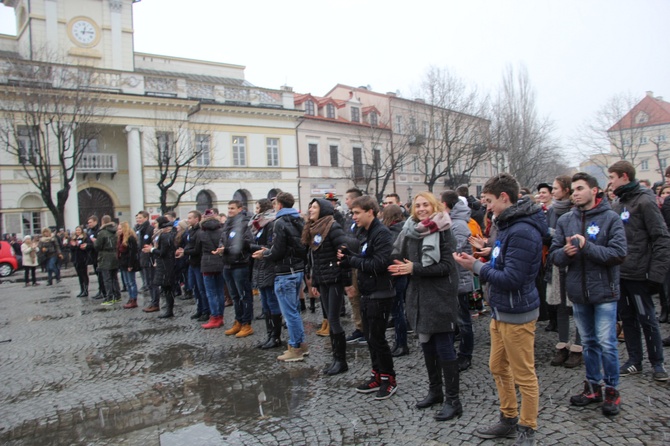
column 592, row 275
column 460, row 216
column 432, row 294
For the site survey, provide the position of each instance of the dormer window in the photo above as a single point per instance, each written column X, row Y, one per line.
column 355, row 114
column 309, row 108
column 373, row 119
column 641, row 118
column 330, row 111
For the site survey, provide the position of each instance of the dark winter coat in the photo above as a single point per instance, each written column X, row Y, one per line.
column 208, row 241
column 48, row 247
column 191, row 236
column 81, row 257
column 145, row 236
column 431, row 300
column 236, row 239
column 648, row 240
column 163, row 256
column 371, row 263
column 105, row 246
column 665, row 210
column 592, row 275
column 129, row 255
column 287, row 252
column 323, row 267
column 460, row 216
column 263, row 272
column 513, row 296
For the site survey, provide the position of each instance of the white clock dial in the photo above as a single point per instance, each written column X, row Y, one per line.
column 84, row 32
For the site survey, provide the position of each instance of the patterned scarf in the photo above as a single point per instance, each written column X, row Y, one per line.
column 427, row 230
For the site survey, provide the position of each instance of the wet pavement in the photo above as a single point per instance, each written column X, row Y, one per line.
column 77, row 373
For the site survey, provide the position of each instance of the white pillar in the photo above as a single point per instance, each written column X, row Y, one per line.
column 136, row 181
column 72, row 203
column 51, row 22
column 115, row 8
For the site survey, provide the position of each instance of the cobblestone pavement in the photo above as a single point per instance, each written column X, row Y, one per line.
column 75, row 372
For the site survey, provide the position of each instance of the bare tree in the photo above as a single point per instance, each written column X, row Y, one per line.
column 49, row 115
column 606, row 136
column 660, row 145
column 522, row 142
column 448, row 134
column 181, row 154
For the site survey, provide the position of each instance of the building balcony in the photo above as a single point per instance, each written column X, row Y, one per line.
column 98, row 163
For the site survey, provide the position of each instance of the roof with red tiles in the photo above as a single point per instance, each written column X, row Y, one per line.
column 657, row 110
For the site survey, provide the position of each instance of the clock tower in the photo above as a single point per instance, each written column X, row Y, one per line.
column 98, row 33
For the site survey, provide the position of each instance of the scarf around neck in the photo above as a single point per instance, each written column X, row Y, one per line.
column 319, row 228
column 428, row 231
column 261, row 220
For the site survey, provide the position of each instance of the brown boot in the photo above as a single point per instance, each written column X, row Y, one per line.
column 562, row 352
column 245, row 331
column 324, row 330
column 234, row 329
column 575, row 357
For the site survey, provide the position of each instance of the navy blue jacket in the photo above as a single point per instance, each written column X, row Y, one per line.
column 511, row 273
column 592, row 275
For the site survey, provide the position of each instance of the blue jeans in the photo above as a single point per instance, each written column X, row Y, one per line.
column 398, row 311
column 597, row 325
column 239, row 287
column 214, row 289
column 269, row 300
column 128, row 278
column 196, row 283
column 441, row 345
column 638, row 316
column 52, row 268
column 467, row 344
column 287, row 289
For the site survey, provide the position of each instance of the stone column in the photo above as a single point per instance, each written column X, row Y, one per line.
column 116, row 8
column 135, row 176
column 72, row 203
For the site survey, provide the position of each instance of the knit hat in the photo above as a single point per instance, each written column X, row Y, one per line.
column 209, row 213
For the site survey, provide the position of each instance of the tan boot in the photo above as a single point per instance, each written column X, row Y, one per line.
column 245, row 331
column 234, row 329
column 304, row 349
column 292, row 355
column 324, row 330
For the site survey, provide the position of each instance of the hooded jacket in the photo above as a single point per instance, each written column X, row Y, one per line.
column 236, row 238
column 208, row 241
column 648, row 240
column 286, row 251
column 323, row 266
column 105, row 246
column 592, row 275
column 460, row 217
column 263, row 273
column 516, row 259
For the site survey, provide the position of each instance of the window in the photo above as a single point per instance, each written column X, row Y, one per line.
column 202, row 150
column 239, row 151
column 398, row 124
column 373, row 119
column 164, row 145
column 203, row 201
column 355, row 114
column 333, row 155
column 642, row 117
column 376, row 158
column 31, row 222
column 330, row 111
column 313, row 154
column 627, row 142
column 664, row 163
column 272, row 145
column 644, row 165
column 412, row 125
column 438, row 131
column 661, row 138
column 88, row 145
column 358, row 163
column 26, row 140
column 415, row 162
column 309, row 108
column 644, row 140
column 426, row 129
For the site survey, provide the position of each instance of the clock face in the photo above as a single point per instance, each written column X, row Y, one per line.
column 84, row 32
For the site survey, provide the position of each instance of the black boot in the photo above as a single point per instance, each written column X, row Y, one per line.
column 268, row 329
column 84, row 293
column 435, row 395
column 275, row 337
column 302, row 306
column 81, row 290
column 312, row 304
column 452, row 404
column 339, row 343
column 553, row 314
column 169, row 305
column 663, row 318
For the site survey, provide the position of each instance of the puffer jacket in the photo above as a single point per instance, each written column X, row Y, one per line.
column 145, row 236
column 236, row 239
column 286, row 250
column 208, row 241
column 460, row 217
column 81, row 256
column 516, row 259
column 163, row 255
column 194, row 257
column 263, row 272
column 105, row 246
column 374, row 280
column 648, row 240
column 592, row 275
column 128, row 255
column 323, row 266
column 49, row 247
column 432, row 294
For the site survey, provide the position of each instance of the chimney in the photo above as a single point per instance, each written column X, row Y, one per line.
column 391, row 93
column 659, row 98
column 286, row 88
column 650, row 93
column 420, row 101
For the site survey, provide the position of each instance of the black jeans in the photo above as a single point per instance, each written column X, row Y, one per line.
column 332, row 297
column 30, row 270
column 375, row 314
column 638, row 316
column 111, row 281
column 467, row 344
column 82, row 274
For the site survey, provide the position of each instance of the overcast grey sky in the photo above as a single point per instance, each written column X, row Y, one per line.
column 578, row 52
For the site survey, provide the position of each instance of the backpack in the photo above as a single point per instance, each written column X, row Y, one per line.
column 295, row 246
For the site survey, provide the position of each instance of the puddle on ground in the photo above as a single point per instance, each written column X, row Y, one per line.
column 211, row 407
column 49, row 317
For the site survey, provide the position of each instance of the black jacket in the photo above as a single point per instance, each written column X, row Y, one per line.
column 236, row 238
column 323, row 266
column 373, row 278
column 129, row 257
column 208, row 241
column 263, row 273
column 286, row 250
column 145, row 235
column 163, row 255
column 194, row 257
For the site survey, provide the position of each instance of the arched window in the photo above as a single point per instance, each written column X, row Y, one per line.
column 203, row 201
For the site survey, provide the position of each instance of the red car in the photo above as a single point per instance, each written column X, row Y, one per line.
column 8, row 261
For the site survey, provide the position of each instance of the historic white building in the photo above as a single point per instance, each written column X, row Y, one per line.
column 245, row 135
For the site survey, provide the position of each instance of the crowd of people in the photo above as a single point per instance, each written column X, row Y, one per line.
column 571, row 254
